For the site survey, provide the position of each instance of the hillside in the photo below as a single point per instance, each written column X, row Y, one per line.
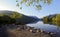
column 17, row 18
column 52, row 19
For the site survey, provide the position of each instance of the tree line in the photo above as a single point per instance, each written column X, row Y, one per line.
column 52, row 19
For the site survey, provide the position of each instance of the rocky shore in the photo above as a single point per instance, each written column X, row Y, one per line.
column 23, row 31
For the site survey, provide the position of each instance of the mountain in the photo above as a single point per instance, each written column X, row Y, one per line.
column 6, row 12
column 52, row 18
column 20, row 18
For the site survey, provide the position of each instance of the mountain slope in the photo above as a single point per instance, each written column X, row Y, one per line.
column 20, row 18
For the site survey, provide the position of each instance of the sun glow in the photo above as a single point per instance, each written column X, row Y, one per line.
column 5, row 7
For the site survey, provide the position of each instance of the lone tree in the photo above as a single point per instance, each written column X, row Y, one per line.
column 34, row 3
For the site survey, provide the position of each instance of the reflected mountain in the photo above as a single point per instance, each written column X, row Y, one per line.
column 53, row 23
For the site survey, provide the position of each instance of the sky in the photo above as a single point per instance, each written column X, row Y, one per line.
column 53, row 8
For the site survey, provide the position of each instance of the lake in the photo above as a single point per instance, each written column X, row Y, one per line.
column 46, row 27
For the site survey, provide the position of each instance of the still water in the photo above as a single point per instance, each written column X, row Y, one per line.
column 46, row 27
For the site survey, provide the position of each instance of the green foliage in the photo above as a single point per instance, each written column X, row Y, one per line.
column 9, row 19
column 16, row 18
column 45, row 19
column 1, row 15
column 6, row 20
column 35, row 3
column 58, row 17
column 16, row 15
column 53, row 20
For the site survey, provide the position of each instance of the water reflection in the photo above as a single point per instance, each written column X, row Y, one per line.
column 45, row 27
column 53, row 26
column 52, row 23
column 57, row 24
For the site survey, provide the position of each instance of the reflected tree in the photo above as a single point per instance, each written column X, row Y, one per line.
column 55, row 20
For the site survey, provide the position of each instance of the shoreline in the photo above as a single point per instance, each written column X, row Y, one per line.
column 21, row 30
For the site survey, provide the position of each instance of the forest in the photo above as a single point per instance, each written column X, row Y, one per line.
column 52, row 19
